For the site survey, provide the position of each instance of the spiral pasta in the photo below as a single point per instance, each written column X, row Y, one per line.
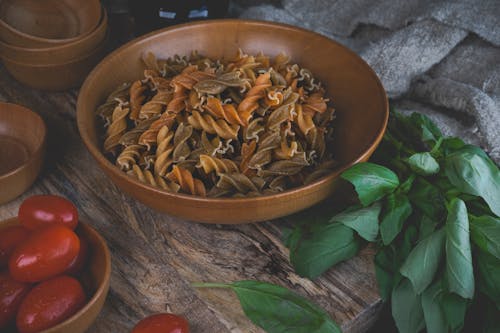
column 247, row 126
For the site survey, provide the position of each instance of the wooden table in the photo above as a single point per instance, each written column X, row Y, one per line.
column 155, row 257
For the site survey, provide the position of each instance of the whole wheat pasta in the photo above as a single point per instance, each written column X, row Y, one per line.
column 248, row 126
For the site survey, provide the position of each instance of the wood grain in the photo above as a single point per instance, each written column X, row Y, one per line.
column 155, row 256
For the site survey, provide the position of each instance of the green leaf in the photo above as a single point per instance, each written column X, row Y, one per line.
column 426, row 226
column 385, row 271
column 454, row 308
column 407, row 308
column 450, row 145
column 423, row 261
column 279, row 310
column 435, row 320
column 428, row 199
column 472, row 172
column 371, row 181
column 364, row 220
column 291, row 237
column 485, row 233
column 430, row 132
column 397, row 210
column 423, row 164
column 489, row 276
column 458, row 253
column 325, row 246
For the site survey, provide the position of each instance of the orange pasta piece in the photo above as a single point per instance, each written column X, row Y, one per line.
column 227, row 111
column 187, row 182
column 137, row 98
column 250, row 103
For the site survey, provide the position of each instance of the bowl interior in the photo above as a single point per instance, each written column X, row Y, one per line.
column 95, row 280
column 51, row 19
column 22, row 133
column 354, row 89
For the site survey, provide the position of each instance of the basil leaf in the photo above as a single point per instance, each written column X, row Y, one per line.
column 429, row 131
column 385, row 270
column 450, row 145
column 472, row 172
column 489, row 276
column 277, row 309
column 371, row 181
column 423, row 164
column 423, row 261
column 458, row 253
column 454, row 308
column 291, row 237
column 324, row 247
column 426, row 226
column 397, row 210
column 364, row 220
column 485, row 232
column 407, row 308
column 428, row 199
column 435, row 320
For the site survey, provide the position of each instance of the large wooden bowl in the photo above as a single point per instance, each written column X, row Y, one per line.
column 357, row 94
column 22, row 148
column 57, row 54
column 35, row 23
column 95, row 280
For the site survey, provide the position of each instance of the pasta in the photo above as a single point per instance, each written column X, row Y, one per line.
column 246, row 126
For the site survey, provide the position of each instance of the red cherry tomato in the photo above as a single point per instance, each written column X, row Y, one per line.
column 50, row 303
column 46, row 253
column 79, row 262
column 10, row 237
column 43, row 210
column 162, row 323
column 12, row 293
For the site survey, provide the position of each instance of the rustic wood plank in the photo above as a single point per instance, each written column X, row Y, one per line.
column 155, row 257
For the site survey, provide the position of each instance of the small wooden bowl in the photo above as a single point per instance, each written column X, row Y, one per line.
column 22, row 147
column 33, row 23
column 58, row 76
column 357, row 94
column 95, row 280
column 58, row 54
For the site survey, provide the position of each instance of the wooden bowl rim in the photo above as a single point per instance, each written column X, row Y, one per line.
column 56, row 41
column 90, row 53
column 33, row 155
column 99, row 156
column 103, row 286
column 103, row 23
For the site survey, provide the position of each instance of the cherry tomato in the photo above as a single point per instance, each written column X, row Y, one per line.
column 46, row 253
column 43, row 210
column 79, row 262
column 162, row 323
column 10, row 237
column 12, row 293
column 50, row 303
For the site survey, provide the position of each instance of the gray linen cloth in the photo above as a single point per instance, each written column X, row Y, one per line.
column 440, row 58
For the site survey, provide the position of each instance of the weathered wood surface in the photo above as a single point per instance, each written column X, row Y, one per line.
column 155, row 257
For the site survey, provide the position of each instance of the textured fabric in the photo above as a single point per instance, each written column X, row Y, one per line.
column 441, row 58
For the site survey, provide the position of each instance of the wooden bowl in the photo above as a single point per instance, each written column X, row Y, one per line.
column 57, row 76
column 22, row 148
column 34, row 23
column 57, row 54
column 357, row 94
column 95, row 280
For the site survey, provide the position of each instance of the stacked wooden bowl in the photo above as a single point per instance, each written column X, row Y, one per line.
column 52, row 44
